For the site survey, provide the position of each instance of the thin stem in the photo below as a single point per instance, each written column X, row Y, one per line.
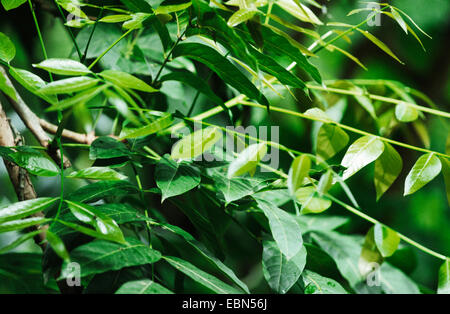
column 83, row 58
column 109, row 48
column 38, row 30
column 72, row 36
column 374, row 221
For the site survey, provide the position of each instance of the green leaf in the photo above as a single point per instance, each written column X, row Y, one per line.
column 170, row 6
column 97, row 173
column 444, row 278
column 101, row 222
column 371, row 258
column 394, row 281
column 116, row 18
column 298, row 172
column 317, row 284
column 387, row 169
column 19, row 241
column 22, row 224
column 106, row 147
column 98, row 190
column 33, row 161
column 7, row 48
column 364, row 101
column 281, row 274
column 126, row 80
column 362, row 152
column 199, row 276
column 446, row 173
column 31, row 82
column 331, row 139
column 137, row 20
column 379, row 43
column 144, row 286
column 57, row 245
column 63, row 67
column 224, row 68
column 386, row 239
column 196, row 143
column 311, row 201
column 100, row 256
column 300, row 11
column 241, row 16
column 70, row 85
column 7, row 88
column 25, row 208
column 284, row 228
column 247, row 160
column 399, row 20
column 406, row 113
column 175, row 178
column 12, row 4
column 151, row 128
column 80, row 98
column 426, row 168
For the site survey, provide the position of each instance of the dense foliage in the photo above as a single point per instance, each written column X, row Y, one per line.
column 163, row 189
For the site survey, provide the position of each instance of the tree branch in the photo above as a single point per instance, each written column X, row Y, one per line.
column 71, row 135
column 32, row 121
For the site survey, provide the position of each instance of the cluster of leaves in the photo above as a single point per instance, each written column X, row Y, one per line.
column 125, row 245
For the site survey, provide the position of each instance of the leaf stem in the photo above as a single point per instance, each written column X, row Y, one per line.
column 69, row 30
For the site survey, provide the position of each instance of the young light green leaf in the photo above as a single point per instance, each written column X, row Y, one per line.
column 387, row 169
column 386, row 239
column 362, row 152
column 298, row 172
column 70, row 85
column 144, row 286
column 12, row 4
column 284, row 228
column 196, row 143
column 25, row 208
column 300, row 11
column 100, row 256
column 97, row 173
column 379, row 43
column 331, row 139
column 399, row 20
column 241, row 16
column 57, row 245
column 248, row 160
column 168, row 6
column 444, row 278
column 63, row 67
column 406, row 113
column 175, row 178
column 7, row 48
column 311, row 201
column 281, row 274
column 201, row 277
column 126, row 80
column 426, row 168
column 101, row 222
column 117, row 18
column 153, row 127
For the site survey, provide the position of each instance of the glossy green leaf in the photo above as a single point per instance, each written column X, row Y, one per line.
column 22, row 224
column 25, row 208
column 284, row 228
column 175, row 178
column 12, row 4
column 399, row 20
column 101, row 222
column 144, row 286
column 63, row 67
column 311, row 201
column 126, row 80
column 444, row 278
column 100, row 256
column 247, row 160
column 57, row 245
column 70, row 85
column 406, row 113
column 426, row 168
column 300, row 11
column 153, row 127
column 224, row 68
column 241, row 16
column 196, row 143
column 386, row 239
column 362, row 152
column 116, row 18
column 97, row 173
column 298, row 172
column 7, row 88
column 170, row 6
column 33, row 161
column 106, row 147
column 317, row 284
column 137, row 21
column 80, row 98
column 7, row 48
column 98, row 190
column 281, row 274
column 387, row 168
column 331, row 139
column 201, row 277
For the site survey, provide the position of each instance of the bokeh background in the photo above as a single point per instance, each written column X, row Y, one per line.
column 424, row 216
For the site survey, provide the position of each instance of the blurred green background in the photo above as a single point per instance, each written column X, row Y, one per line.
column 424, row 216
